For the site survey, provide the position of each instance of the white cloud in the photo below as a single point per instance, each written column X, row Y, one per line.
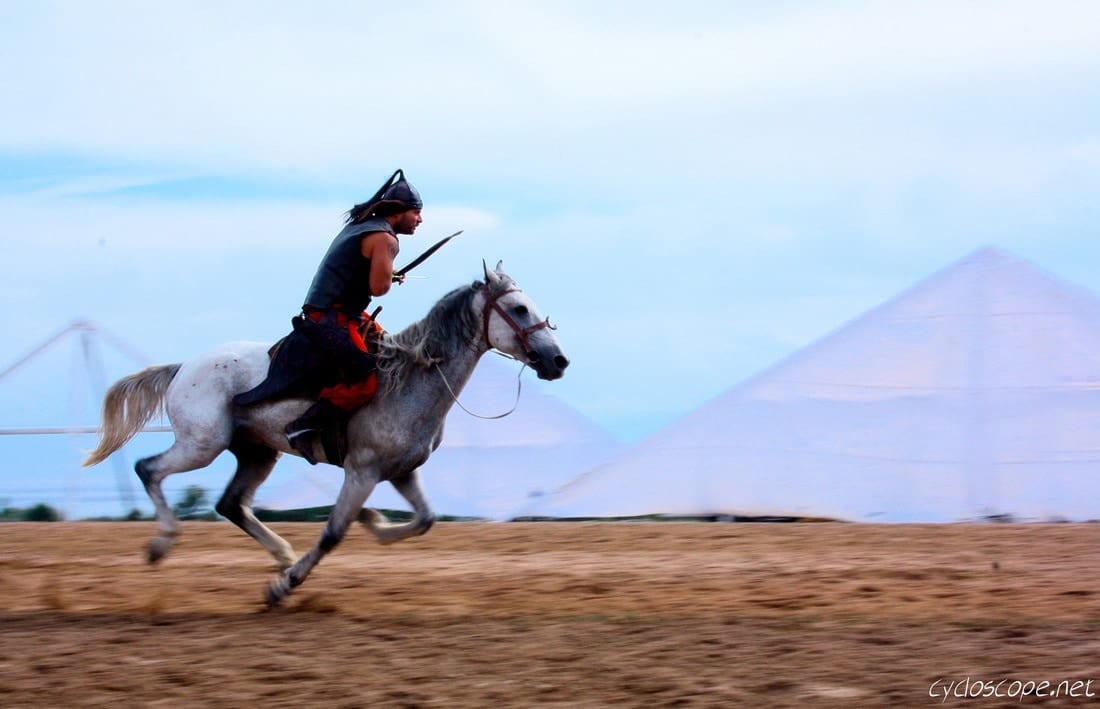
column 192, row 225
column 324, row 88
column 816, row 48
column 786, row 154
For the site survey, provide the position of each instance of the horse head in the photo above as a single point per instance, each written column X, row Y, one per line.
column 513, row 325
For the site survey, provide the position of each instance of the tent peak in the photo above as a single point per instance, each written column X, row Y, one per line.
column 990, row 253
column 971, row 394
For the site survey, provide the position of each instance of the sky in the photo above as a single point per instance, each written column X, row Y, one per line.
column 690, row 191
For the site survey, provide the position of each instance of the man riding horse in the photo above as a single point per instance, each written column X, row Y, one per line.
column 327, row 355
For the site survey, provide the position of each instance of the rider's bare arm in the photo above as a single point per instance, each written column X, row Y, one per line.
column 381, row 248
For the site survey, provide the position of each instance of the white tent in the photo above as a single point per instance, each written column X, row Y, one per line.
column 974, row 394
column 484, row 468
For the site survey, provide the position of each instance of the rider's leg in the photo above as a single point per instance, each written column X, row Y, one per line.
column 346, row 350
column 303, row 432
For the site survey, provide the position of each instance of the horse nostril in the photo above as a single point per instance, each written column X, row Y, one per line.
column 561, row 361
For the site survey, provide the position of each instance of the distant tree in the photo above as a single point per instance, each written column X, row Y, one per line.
column 193, row 504
column 42, row 513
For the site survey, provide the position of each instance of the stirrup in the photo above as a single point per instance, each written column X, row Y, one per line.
column 302, row 441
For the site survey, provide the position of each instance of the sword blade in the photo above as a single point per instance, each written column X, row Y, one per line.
column 424, row 256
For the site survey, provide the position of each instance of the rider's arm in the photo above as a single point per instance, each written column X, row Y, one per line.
column 381, row 248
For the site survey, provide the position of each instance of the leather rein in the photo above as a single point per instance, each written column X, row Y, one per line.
column 521, row 332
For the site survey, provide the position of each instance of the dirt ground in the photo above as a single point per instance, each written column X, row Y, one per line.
column 557, row 614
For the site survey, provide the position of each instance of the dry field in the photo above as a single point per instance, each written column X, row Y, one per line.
column 484, row 615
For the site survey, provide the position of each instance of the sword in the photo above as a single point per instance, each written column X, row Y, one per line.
column 424, row 256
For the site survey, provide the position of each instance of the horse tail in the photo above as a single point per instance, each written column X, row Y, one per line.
column 128, row 406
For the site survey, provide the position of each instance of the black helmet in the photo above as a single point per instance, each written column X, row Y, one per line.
column 401, row 191
column 396, row 195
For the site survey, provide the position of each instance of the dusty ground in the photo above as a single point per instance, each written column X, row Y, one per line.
column 480, row 615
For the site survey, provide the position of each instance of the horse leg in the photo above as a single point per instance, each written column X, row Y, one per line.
column 152, row 471
column 355, row 491
column 254, row 463
column 387, row 532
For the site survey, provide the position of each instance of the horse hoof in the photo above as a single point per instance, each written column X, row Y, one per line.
column 279, row 589
column 157, row 548
column 275, row 594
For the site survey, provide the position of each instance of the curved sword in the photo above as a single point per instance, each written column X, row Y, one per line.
column 424, row 256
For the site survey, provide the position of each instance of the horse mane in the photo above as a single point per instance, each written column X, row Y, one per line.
column 441, row 335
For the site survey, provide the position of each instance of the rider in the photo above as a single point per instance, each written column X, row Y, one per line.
column 357, row 267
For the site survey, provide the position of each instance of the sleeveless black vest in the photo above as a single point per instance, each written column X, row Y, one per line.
column 343, row 278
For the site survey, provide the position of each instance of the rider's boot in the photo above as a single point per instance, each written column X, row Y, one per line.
column 303, row 431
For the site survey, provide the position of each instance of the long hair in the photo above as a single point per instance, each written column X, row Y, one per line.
column 373, row 208
column 395, row 195
column 450, row 326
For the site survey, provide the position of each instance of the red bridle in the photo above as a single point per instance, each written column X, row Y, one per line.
column 521, row 332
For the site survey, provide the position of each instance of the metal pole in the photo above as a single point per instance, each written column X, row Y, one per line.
column 98, row 381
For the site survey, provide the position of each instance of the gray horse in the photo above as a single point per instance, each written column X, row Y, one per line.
column 421, row 370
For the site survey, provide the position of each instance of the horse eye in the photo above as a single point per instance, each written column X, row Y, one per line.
column 520, row 310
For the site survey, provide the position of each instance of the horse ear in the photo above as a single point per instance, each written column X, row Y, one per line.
column 500, row 268
column 490, row 276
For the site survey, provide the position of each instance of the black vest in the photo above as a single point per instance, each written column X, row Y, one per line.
column 343, row 278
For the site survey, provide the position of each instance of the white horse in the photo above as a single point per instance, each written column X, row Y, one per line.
column 421, row 370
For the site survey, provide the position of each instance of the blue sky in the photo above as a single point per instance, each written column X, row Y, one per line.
column 690, row 191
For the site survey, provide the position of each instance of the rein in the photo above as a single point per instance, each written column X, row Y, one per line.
column 521, row 332
column 509, row 412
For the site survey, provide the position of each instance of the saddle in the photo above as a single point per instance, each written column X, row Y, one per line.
column 298, row 369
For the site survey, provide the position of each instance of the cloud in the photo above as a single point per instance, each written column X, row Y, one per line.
column 191, row 225
column 323, row 89
column 638, row 166
column 709, row 50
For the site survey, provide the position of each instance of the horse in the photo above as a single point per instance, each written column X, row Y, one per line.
column 421, row 371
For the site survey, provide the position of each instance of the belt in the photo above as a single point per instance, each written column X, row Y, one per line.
column 341, row 318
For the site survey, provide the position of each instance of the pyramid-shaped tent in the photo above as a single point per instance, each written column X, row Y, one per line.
column 974, row 394
column 485, row 467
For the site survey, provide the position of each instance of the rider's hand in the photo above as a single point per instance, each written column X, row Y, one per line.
column 398, row 278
